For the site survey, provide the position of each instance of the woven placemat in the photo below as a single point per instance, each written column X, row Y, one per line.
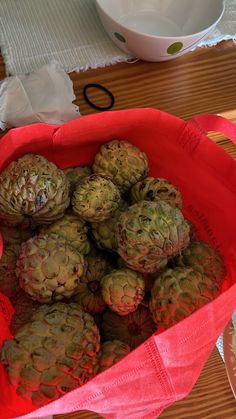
column 34, row 32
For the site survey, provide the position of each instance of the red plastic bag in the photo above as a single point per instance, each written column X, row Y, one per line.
column 166, row 366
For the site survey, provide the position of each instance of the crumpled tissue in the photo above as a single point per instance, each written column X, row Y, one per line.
column 46, row 95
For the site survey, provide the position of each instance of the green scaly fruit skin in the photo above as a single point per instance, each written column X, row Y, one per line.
column 153, row 189
column 104, row 233
column 75, row 174
column 150, row 233
column 111, row 353
column 33, row 188
column 132, row 329
column 95, row 198
column 123, row 290
column 73, row 229
column 203, row 257
column 49, row 268
column 57, row 351
column 123, row 162
column 179, row 292
column 9, row 284
column 89, row 294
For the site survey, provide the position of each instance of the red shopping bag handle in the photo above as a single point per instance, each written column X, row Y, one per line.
column 210, row 122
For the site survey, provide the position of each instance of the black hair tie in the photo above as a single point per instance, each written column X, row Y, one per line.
column 104, row 89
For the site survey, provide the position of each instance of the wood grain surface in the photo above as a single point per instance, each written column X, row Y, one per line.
column 202, row 81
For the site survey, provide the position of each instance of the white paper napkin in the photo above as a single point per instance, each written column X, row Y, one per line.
column 46, row 95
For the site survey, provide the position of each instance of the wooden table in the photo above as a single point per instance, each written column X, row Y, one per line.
column 199, row 82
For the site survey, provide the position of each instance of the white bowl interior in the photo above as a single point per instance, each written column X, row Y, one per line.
column 172, row 18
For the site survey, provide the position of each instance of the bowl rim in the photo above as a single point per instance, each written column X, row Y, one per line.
column 183, row 37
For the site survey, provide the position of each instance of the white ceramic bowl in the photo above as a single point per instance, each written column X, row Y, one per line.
column 159, row 30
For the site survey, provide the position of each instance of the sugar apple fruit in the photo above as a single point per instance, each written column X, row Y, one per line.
column 203, row 257
column 132, row 329
column 49, row 268
column 95, row 198
column 152, row 189
column 123, row 290
column 73, row 229
column 112, row 352
column 57, row 351
column 104, row 232
column 75, row 174
column 150, row 233
column 33, row 188
column 9, row 284
column 123, row 162
column 179, row 292
column 89, row 293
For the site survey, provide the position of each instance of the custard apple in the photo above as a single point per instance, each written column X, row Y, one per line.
column 123, row 162
column 132, row 329
column 150, row 233
column 95, row 198
column 75, row 174
column 73, row 229
column 57, row 351
column 152, row 189
column 203, row 257
column 89, row 294
column 32, row 188
column 104, row 232
column 112, row 352
column 123, row 290
column 49, row 268
column 179, row 292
